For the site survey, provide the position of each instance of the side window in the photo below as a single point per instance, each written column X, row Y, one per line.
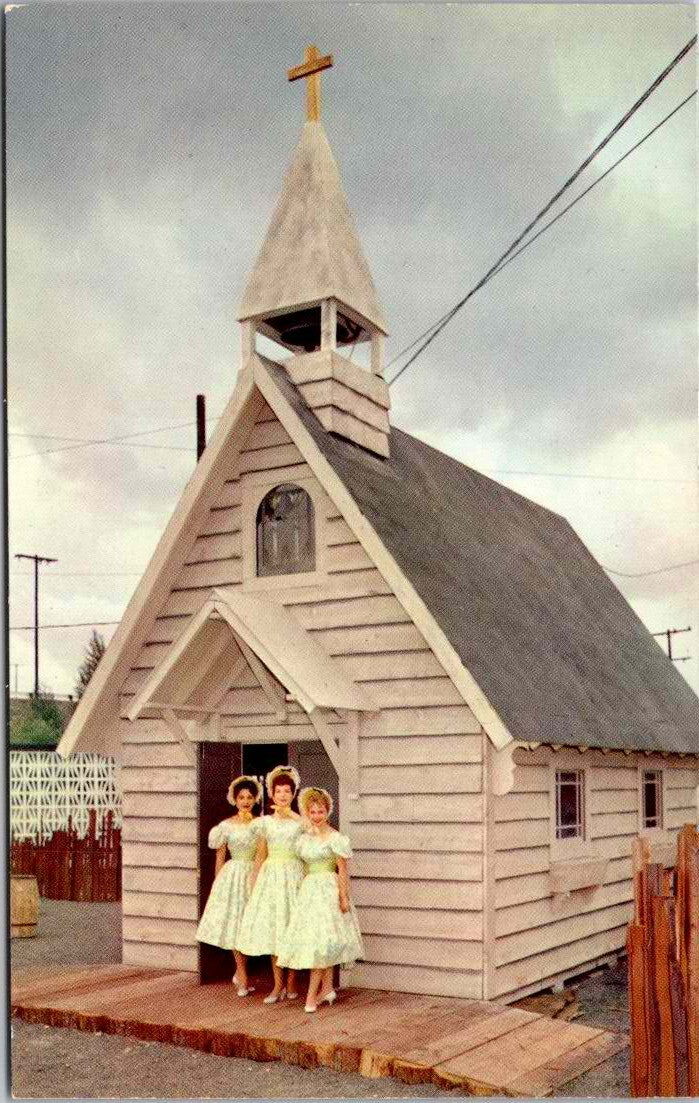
column 286, row 532
column 652, row 798
column 570, row 804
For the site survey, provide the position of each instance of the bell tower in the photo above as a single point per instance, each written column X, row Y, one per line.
column 311, row 290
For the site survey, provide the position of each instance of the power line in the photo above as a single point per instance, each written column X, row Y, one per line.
column 77, row 624
column 82, row 574
column 659, row 570
column 438, row 326
column 81, row 442
column 107, row 623
column 581, row 475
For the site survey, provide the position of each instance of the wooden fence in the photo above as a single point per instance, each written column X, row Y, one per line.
column 69, row 866
column 663, row 947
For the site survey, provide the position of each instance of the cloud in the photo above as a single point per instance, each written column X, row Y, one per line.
column 146, row 147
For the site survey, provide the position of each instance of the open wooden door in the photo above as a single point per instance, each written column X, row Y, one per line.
column 219, row 763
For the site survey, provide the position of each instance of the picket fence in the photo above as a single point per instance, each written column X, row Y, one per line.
column 663, row 949
column 65, row 817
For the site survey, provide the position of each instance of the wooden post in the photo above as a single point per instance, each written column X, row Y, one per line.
column 328, row 324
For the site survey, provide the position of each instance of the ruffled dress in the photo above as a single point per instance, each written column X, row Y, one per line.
column 319, row 934
column 267, row 912
column 220, row 921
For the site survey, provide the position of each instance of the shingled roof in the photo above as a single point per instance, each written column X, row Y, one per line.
column 560, row 654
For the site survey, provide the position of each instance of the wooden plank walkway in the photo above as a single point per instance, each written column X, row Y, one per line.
column 481, row 1048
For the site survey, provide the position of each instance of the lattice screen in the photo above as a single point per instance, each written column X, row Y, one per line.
column 46, row 791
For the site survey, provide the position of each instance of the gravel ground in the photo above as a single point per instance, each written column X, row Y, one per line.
column 58, row 1063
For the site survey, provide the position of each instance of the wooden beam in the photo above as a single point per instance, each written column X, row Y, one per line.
column 274, row 693
column 327, row 738
column 179, row 733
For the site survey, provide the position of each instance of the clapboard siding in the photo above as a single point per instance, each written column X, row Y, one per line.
column 147, row 829
column 160, row 905
column 413, row 922
column 537, row 935
column 166, row 854
column 176, row 932
column 160, row 955
column 420, row 750
column 433, row 895
column 445, row 839
column 414, row 978
column 424, row 952
column 548, row 965
column 416, row 779
column 159, row 879
column 417, row 826
column 429, row 866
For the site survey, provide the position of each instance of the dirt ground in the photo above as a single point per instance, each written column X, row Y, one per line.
column 48, row 1062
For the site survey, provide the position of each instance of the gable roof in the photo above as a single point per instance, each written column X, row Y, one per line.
column 539, row 641
column 549, row 639
column 311, row 250
column 251, row 625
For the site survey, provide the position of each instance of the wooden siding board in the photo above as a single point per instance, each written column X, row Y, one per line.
column 160, row 905
column 421, row 923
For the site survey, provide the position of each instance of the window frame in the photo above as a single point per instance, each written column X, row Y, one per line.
column 576, row 846
column 307, row 526
column 256, row 486
column 651, row 768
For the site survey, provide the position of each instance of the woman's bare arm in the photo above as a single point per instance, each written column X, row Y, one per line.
column 220, row 859
column 260, row 857
column 343, row 884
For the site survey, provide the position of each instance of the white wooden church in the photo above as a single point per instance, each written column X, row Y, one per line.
column 446, row 655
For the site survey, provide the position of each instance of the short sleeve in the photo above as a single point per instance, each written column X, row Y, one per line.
column 218, row 836
column 340, row 845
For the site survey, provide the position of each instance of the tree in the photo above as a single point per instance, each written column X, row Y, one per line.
column 41, row 724
column 93, row 653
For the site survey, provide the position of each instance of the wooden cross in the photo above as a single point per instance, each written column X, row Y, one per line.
column 311, row 70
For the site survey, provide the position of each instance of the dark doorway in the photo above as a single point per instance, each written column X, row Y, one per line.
column 219, row 763
column 260, row 758
column 314, row 766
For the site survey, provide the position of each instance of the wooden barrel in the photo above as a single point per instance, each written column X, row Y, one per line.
column 24, row 905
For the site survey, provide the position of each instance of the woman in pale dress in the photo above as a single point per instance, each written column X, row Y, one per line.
column 235, row 837
column 276, row 879
column 323, row 930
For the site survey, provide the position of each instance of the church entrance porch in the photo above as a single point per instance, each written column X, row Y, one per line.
column 218, row 764
column 480, row 1048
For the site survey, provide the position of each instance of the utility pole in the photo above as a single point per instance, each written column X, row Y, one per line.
column 201, row 425
column 37, row 559
column 669, row 633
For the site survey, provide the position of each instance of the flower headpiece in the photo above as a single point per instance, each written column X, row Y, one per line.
column 274, row 774
column 314, row 794
column 250, row 782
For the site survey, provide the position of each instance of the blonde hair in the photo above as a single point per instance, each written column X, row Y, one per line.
column 315, row 795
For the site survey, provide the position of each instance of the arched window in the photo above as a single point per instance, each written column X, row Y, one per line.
column 286, row 531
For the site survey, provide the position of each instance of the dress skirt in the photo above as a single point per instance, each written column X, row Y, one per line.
column 266, row 916
column 220, row 921
column 319, row 934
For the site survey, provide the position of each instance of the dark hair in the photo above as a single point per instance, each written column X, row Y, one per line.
column 284, row 779
column 241, row 785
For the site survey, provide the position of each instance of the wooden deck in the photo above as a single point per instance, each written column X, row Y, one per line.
column 481, row 1048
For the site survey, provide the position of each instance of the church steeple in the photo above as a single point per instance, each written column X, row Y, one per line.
column 311, row 290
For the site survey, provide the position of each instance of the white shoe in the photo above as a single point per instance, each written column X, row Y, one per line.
column 330, row 998
column 292, row 995
column 271, row 998
column 245, row 991
column 310, row 1008
column 235, row 981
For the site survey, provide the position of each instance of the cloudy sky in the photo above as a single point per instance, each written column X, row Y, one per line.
column 146, row 146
